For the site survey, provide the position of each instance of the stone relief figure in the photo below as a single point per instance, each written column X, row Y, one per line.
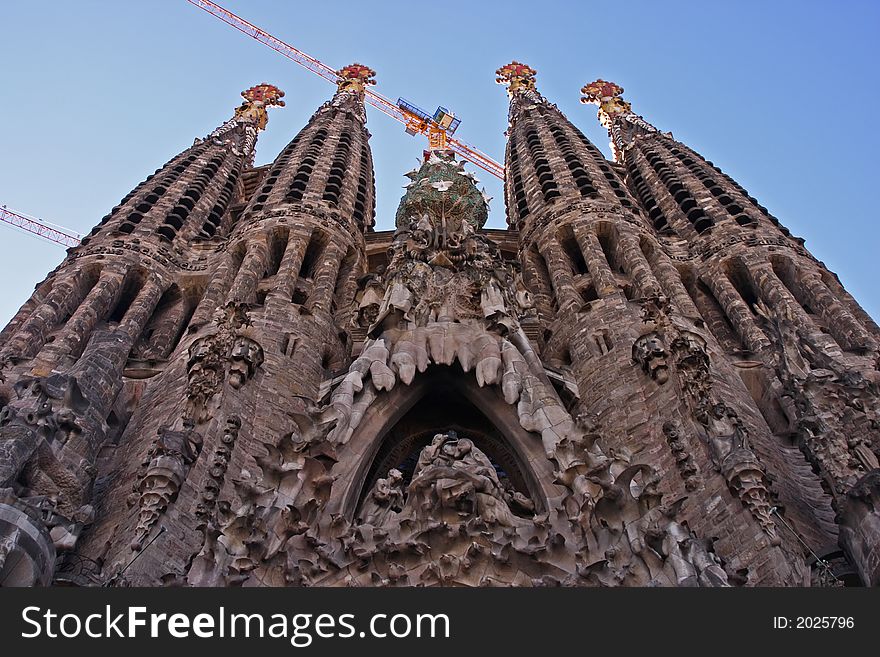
column 728, row 444
column 453, row 477
column 861, row 449
column 384, row 500
column 204, row 375
column 230, row 345
column 245, row 358
column 649, row 351
column 369, row 299
column 726, row 432
column 169, row 461
column 681, row 450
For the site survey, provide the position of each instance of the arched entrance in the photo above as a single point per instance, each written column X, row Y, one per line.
column 399, row 423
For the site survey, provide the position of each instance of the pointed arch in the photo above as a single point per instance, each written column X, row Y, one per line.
column 358, row 459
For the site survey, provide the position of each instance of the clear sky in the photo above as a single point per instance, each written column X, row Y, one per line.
column 782, row 95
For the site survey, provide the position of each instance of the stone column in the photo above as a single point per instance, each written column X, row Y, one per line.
column 845, row 328
column 325, row 278
column 673, row 288
column 66, row 292
column 95, row 307
column 140, row 311
column 538, row 287
column 777, row 296
column 291, row 263
column 216, row 291
column 737, row 311
column 254, row 265
column 603, row 278
column 348, row 290
column 560, row 275
column 637, row 266
column 851, row 304
column 165, row 329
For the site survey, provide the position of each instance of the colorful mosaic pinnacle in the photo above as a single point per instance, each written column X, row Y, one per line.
column 607, row 96
column 256, row 100
column 355, row 77
column 517, row 76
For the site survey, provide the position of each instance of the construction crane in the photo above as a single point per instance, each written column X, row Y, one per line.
column 40, row 228
column 438, row 128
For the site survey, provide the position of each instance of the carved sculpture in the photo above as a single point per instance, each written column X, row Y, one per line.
column 170, row 458
column 650, row 353
column 245, row 358
column 681, row 450
column 219, row 464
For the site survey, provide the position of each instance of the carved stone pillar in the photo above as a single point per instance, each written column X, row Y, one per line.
column 97, row 304
column 137, row 316
column 603, row 278
column 325, row 278
column 216, row 291
column 66, row 293
column 845, row 328
column 254, row 265
column 637, row 266
column 737, row 311
column 670, row 282
column 291, row 263
column 560, row 275
column 777, row 296
column 851, row 304
column 537, row 282
column 165, row 328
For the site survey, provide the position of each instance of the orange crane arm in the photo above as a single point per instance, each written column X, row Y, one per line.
column 316, row 66
column 54, row 234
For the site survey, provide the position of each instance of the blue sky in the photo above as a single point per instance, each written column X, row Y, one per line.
column 781, row 95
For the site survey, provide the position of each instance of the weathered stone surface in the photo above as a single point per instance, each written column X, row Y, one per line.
column 644, row 381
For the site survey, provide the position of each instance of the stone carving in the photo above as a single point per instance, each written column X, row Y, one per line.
column 369, row 299
column 169, row 460
column 641, row 542
column 681, row 450
column 454, row 479
column 246, row 357
column 650, row 353
column 725, row 432
column 217, row 470
column 736, row 461
column 834, row 407
column 43, row 453
column 204, row 375
column 385, row 499
column 229, row 344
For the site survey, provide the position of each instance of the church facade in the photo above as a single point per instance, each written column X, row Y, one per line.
column 645, row 380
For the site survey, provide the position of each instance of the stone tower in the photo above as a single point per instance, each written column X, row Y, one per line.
column 236, row 380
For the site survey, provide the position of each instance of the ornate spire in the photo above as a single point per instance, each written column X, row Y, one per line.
column 517, row 76
column 615, row 114
column 355, row 78
column 607, row 96
column 256, row 100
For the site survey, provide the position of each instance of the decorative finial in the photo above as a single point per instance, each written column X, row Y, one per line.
column 607, row 96
column 517, row 76
column 256, row 100
column 355, row 77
